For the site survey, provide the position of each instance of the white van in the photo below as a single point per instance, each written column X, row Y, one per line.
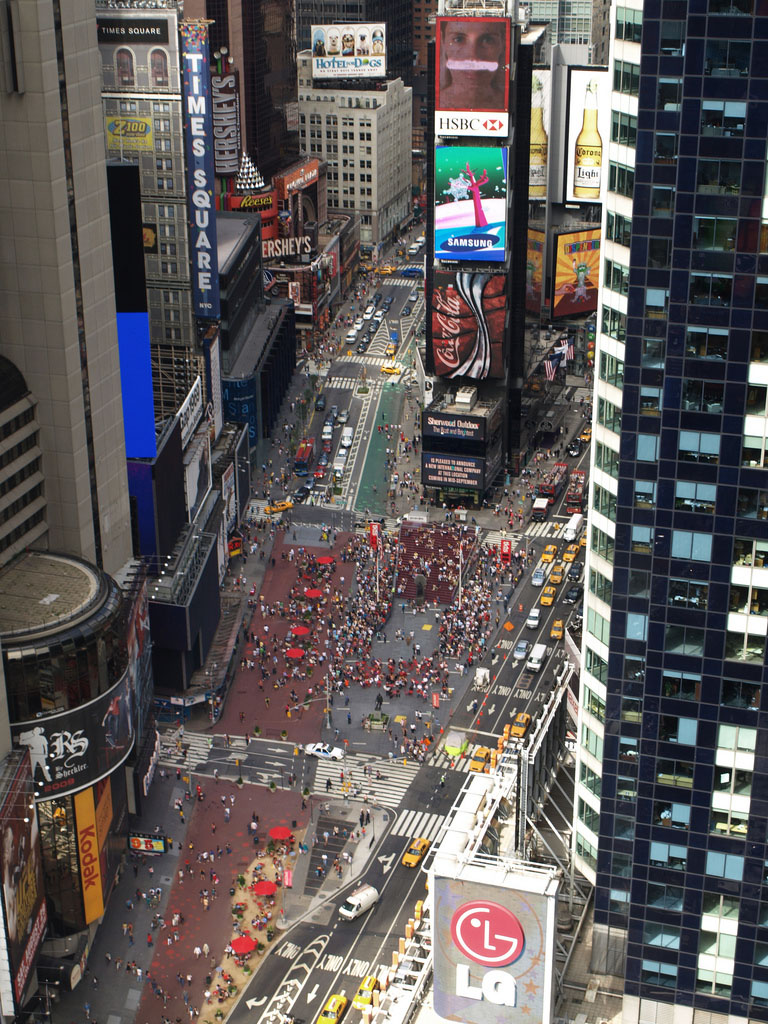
column 339, row 465
column 362, row 899
column 413, row 250
column 347, row 437
column 536, row 658
column 351, row 336
column 573, row 527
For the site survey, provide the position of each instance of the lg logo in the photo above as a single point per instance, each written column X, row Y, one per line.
column 489, row 935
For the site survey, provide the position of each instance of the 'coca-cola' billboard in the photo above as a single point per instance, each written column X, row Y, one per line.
column 469, row 313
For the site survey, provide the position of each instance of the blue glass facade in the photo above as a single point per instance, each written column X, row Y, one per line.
column 681, row 865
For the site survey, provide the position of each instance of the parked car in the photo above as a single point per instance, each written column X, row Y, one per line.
column 343, row 416
column 406, row 311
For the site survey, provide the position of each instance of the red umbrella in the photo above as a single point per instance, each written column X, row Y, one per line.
column 313, row 594
column 294, row 652
column 243, row 944
column 265, row 888
column 300, row 630
column 280, row 832
column 326, row 560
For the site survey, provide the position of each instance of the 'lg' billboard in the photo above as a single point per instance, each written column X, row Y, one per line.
column 494, row 953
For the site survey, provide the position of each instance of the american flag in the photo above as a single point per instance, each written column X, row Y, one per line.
column 569, row 353
column 550, row 366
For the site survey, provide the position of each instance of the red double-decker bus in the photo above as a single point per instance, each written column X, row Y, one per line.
column 551, row 487
column 305, row 456
column 576, row 496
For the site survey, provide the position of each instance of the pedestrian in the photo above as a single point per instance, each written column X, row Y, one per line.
column 198, row 952
column 327, row 785
column 149, row 938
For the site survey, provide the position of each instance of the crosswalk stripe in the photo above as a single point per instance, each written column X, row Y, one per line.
column 445, row 761
column 389, row 789
column 419, row 824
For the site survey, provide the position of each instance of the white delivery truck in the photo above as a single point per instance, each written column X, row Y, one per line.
column 347, row 436
column 536, row 658
column 573, row 527
column 362, row 899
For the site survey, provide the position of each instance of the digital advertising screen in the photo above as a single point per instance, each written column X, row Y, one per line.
column 493, row 953
column 23, row 888
column 468, row 324
column 452, row 471
column 471, row 203
column 577, row 268
column 541, row 110
column 136, row 385
column 589, row 125
column 472, row 77
column 534, row 270
column 343, row 51
column 197, row 474
column 75, row 749
column 447, row 424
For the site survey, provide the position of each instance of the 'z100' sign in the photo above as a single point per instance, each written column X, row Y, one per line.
column 198, row 131
column 452, row 471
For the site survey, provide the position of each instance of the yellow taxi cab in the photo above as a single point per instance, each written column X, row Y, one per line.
column 391, row 349
column 557, row 575
column 556, row 633
column 548, row 596
column 583, row 540
column 364, row 995
column 570, row 553
column 386, row 268
column 394, row 369
column 414, row 855
column 550, row 553
column 586, row 435
column 520, row 724
column 481, row 760
column 279, row 506
column 333, row 1010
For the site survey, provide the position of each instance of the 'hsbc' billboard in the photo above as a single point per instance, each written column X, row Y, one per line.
column 493, row 953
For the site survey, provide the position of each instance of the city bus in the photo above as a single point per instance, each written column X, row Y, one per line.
column 305, row 456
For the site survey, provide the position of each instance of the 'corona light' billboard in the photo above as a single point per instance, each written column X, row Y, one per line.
column 589, row 124
column 468, row 321
column 577, row 267
column 471, row 203
column 349, row 51
column 472, row 70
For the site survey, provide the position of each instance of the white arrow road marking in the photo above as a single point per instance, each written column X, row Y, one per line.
column 250, row 1003
column 386, row 862
column 491, row 709
column 311, row 995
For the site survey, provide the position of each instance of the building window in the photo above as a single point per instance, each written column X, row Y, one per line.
column 642, row 539
column 629, row 24
column 592, row 742
column 595, row 665
column 648, row 447
column 735, row 694
column 710, row 289
column 621, row 179
column 727, row 58
column 650, row 401
column 665, row 149
column 718, row 177
column 604, row 501
column 602, row 544
column 639, row 583
column 599, row 627
column 697, row 446
column 615, row 326
column 703, row 396
column 616, row 277
column 124, row 67
column 717, row 234
column 158, row 68
column 619, row 228
column 669, row 94
column 660, row 253
column 692, row 497
column 683, row 593
column 691, row 545
column 645, row 494
column 725, row 865
column 586, row 851
column 609, row 415
column 637, row 626
column 665, row 897
column 589, row 816
column 623, row 128
column 668, row 855
column 607, row 459
column 626, row 78
column 706, row 343
column 662, row 201
column 589, row 779
column 723, row 118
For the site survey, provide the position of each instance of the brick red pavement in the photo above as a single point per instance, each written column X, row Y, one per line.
column 214, row 925
column 244, row 694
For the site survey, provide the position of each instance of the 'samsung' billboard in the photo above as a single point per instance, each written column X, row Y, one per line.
column 577, row 267
column 349, row 51
column 472, row 77
column 468, row 320
column 493, row 953
column 589, row 117
column 471, row 203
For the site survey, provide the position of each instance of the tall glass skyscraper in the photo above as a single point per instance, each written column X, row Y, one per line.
column 672, row 785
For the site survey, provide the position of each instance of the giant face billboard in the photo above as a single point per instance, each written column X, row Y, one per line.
column 349, row 51
column 534, row 270
column 577, row 267
column 23, row 894
column 198, row 134
column 589, row 122
column 77, row 748
column 472, row 71
column 197, row 473
column 493, row 953
column 471, row 203
column 468, row 320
